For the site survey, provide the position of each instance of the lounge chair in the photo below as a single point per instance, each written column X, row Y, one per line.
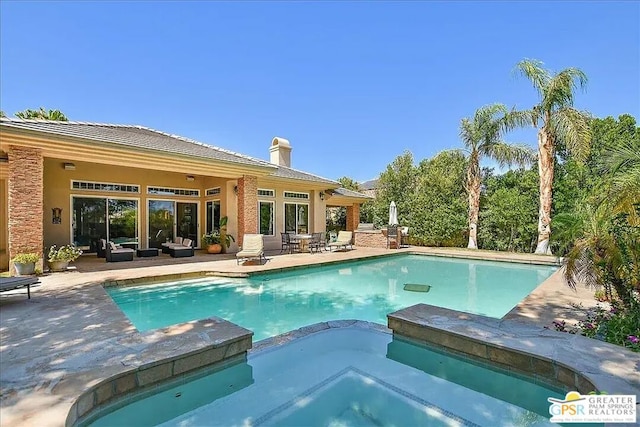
column 178, row 241
column 10, row 283
column 183, row 250
column 252, row 247
column 343, row 240
column 115, row 254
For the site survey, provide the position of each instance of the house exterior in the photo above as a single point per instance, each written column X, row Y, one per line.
column 76, row 183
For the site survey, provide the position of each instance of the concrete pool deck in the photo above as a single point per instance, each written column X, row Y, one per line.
column 70, row 332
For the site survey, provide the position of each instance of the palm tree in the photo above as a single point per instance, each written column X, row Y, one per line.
column 606, row 250
column 42, row 114
column 482, row 137
column 557, row 123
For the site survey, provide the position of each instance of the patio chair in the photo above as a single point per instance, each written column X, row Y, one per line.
column 343, row 240
column 404, row 236
column 115, row 254
column 183, row 250
column 392, row 237
column 289, row 244
column 316, row 243
column 10, row 283
column 252, row 247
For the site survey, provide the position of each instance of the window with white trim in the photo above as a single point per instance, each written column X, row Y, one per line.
column 296, row 195
column 213, row 191
column 267, row 213
column 173, row 191
column 105, row 186
column 262, row 192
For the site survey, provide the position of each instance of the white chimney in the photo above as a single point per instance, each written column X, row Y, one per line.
column 280, row 151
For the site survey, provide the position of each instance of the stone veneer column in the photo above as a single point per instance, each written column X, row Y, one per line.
column 247, row 206
column 26, row 230
column 353, row 216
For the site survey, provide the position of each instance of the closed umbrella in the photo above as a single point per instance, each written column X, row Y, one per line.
column 393, row 214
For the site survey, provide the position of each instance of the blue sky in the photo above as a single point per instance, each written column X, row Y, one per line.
column 351, row 84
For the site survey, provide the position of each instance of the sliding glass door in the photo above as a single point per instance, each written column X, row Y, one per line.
column 161, row 222
column 169, row 219
column 213, row 216
column 96, row 218
column 296, row 218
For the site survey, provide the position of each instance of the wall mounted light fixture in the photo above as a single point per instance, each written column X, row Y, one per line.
column 190, row 178
column 235, row 190
column 69, row 166
column 56, row 215
column 321, row 195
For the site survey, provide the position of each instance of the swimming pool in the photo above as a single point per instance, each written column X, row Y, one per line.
column 338, row 377
column 274, row 303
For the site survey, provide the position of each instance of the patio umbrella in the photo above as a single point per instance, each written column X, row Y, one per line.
column 393, row 214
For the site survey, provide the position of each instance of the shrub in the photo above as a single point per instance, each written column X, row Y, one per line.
column 618, row 325
column 64, row 253
column 25, row 258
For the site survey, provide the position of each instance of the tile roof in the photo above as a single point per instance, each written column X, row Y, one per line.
column 285, row 172
column 350, row 193
column 134, row 136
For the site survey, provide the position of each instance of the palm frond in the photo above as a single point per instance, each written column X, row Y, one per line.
column 560, row 91
column 573, row 128
column 509, row 154
column 515, row 119
column 533, row 70
column 468, row 133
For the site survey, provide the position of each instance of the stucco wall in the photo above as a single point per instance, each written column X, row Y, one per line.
column 58, row 192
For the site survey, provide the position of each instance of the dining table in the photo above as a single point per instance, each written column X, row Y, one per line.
column 303, row 241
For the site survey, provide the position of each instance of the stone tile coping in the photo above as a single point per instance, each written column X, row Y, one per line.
column 164, row 354
column 572, row 362
column 480, row 255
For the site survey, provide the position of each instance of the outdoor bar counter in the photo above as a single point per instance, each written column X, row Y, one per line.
column 367, row 236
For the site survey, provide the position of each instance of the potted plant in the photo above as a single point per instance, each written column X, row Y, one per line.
column 212, row 242
column 25, row 263
column 218, row 240
column 59, row 258
column 225, row 239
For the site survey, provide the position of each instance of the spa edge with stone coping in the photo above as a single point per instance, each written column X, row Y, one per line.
column 569, row 362
column 213, row 342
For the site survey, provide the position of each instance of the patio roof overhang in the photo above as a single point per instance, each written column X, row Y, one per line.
column 99, row 152
column 347, row 198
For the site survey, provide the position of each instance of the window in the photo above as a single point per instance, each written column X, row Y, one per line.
column 104, row 186
column 294, row 195
column 296, row 218
column 96, row 218
column 213, row 191
column 267, row 215
column 173, row 191
column 213, row 215
column 266, row 193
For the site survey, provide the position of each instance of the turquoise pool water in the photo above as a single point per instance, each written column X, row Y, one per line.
column 343, row 377
column 271, row 304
